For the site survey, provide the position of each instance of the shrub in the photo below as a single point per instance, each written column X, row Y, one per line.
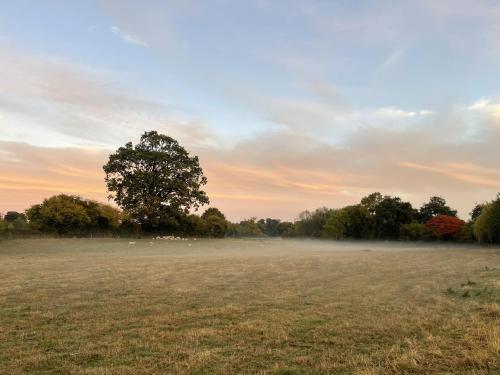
column 349, row 222
column 444, row 225
column 436, row 206
column 389, row 215
column 12, row 216
column 72, row 215
column 216, row 226
column 466, row 233
column 487, row 225
column 194, row 225
column 311, row 224
column 3, row 228
column 335, row 225
column 213, row 211
column 417, row 232
column 246, row 228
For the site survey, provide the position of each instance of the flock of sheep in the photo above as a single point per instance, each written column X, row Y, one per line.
column 168, row 238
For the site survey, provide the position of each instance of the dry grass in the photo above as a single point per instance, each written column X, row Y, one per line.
column 248, row 307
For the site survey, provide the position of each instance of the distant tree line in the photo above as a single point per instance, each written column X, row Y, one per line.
column 382, row 217
column 72, row 216
column 157, row 187
column 376, row 217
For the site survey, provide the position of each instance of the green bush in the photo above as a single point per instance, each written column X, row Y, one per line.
column 349, row 222
column 311, row 224
column 216, row 226
column 466, row 233
column 275, row 227
column 417, row 232
column 3, row 228
column 487, row 225
column 246, row 228
column 71, row 215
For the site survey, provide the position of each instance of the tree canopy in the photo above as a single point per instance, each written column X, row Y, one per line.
column 436, row 206
column 445, row 226
column 390, row 214
column 155, row 181
column 487, row 225
column 213, row 211
column 71, row 215
column 12, row 216
column 311, row 224
column 352, row 222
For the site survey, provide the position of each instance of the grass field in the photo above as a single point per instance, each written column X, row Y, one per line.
column 247, row 307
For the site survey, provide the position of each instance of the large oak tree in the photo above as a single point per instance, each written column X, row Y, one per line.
column 156, row 180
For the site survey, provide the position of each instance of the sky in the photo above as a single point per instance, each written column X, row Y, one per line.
column 290, row 105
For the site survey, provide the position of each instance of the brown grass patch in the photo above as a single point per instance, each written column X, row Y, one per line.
column 247, row 306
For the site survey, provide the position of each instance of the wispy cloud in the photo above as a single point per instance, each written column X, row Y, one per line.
column 392, row 59
column 486, row 106
column 44, row 99
column 28, row 174
column 128, row 37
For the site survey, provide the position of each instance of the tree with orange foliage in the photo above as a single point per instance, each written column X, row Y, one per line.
column 444, row 225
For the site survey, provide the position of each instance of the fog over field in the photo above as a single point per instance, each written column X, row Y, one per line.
column 269, row 306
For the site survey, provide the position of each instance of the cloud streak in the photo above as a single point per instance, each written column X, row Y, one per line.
column 392, row 59
column 128, row 37
column 77, row 104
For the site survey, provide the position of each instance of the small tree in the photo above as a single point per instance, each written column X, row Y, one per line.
column 417, row 232
column 247, row 228
column 216, row 227
column 436, row 206
column 371, row 202
column 62, row 214
column 216, row 224
column 69, row 214
column 349, row 222
column 476, row 211
column 273, row 227
column 312, row 223
column 212, row 211
column 487, row 225
column 389, row 215
column 12, row 216
column 445, row 226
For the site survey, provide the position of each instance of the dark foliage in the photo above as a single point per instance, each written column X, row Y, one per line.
column 275, row 227
column 390, row 214
column 155, row 182
column 311, row 224
column 436, row 206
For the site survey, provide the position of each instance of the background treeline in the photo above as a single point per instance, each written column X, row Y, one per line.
column 70, row 216
column 384, row 217
column 376, row 217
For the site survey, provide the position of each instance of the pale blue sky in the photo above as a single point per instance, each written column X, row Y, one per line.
column 221, row 75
